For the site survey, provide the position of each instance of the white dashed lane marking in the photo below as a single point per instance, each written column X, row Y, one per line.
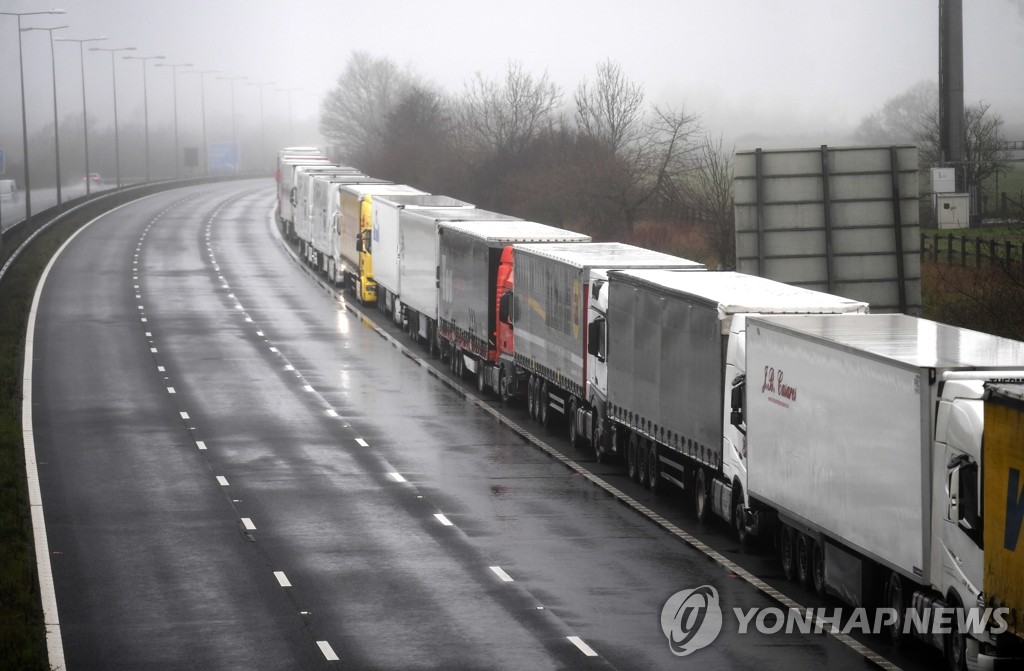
column 443, row 520
column 584, row 648
column 500, row 572
column 282, row 579
column 328, row 651
column 362, row 443
column 247, row 523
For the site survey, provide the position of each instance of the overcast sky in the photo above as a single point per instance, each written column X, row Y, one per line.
column 752, row 69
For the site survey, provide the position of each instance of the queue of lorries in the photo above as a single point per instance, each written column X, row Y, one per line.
column 880, row 453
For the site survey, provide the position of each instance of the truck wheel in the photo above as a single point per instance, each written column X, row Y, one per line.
column 543, row 405
column 701, row 504
column 574, row 435
column 803, row 559
column 894, row 599
column 955, row 643
column 595, row 437
column 631, row 450
column 503, row 390
column 481, row 379
column 654, row 468
column 786, row 553
column 738, row 524
column 818, row 568
column 641, row 461
column 531, row 396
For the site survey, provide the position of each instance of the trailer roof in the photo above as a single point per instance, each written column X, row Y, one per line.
column 1010, row 393
column 515, row 230
column 737, row 293
column 348, row 179
column 379, row 189
column 911, row 340
column 425, row 200
column 608, row 255
column 459, row 214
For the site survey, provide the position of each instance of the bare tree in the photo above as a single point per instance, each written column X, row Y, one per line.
column 612, row 109
column 353, row 114
column 635, row 156
column 984, row 144
column 708, row 188
column 504, row 116
column 902, row 118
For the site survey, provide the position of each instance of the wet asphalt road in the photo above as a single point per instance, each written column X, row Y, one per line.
column 239, row 472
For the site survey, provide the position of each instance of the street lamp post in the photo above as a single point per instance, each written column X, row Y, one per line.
column 234, row 128
column 85, row 115
column 202, row 101
column 263, row 137
column 56, row 120
column 145, row 101
column 113, row 73
column 174, row 79
column 291, row 133
column 24, row 123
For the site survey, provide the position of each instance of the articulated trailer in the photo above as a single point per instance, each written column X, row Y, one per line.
column 474, row 275
column 866, row 455
column 671, row 345
column 544, row 350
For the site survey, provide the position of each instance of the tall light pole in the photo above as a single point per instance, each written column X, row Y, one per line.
column 24, row 123
column 291, row 132
column 56, row 120
column 174, row 79
column 263, row 136
column 113, row 73
column 145, row 101
column 202, row 101
column 234, row 127
column 85, row 115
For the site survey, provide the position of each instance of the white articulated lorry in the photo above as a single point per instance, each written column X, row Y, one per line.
column 865, row 453
column 387, row 242
column 286, row 195
column 545, row 353
column 302, row 223
column 419, row 261
column 666, row 349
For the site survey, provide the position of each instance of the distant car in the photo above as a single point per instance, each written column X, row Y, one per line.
column 93, row 177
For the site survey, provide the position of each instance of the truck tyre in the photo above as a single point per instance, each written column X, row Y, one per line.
column 955, row 642
column 481, row 377
column 738, row 523
column 543, row 405
column 818, row 568
column 894, row 599
column 803, row 559
column 654, row 468
column 595, row 437
column 531, row 396
column 631, row 450
column 701, row 492
column 503, row 390
column 641, row 461
column 574, row 435
column 787, row 557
